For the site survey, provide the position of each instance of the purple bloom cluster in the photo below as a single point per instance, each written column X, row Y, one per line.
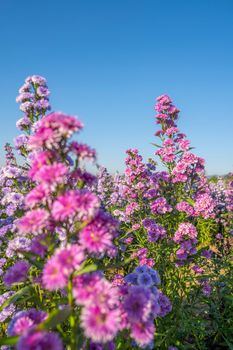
column 142, row 303
column 186, row 236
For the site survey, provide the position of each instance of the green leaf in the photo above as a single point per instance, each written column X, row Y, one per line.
column 155, row 144
column 86, row 269
column 55, row 317
column 9, row 341
column 21, row 293
column 228, row 343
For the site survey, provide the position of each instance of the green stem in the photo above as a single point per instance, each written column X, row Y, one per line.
column 72, row 320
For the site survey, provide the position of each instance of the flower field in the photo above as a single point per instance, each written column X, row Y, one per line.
column 140, row 260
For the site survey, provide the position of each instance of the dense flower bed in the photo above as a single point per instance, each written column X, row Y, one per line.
column 139, row 260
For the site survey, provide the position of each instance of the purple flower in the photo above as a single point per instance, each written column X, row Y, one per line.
column 40, row 340
column 137, row 303
column 144, row 279
column 23, row 320
column 17, row 273
column 9, row 310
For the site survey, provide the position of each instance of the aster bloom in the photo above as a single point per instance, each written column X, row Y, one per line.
column 97, row 236
column 33, row 222
column 61, row 265
column 185, row 207
column 17, row 273
column 52, row 277
column 37, row 195
column 160, row 206
column 204, row 205
column 155, row 232
column 165, row 305
column 84, row 286
column 143, row 332
column 137, row 303
column 185, row 230
column 10, row 309
column 82, row 151
column 70, row 258
column 38, row 160
column 51, row 175
column 40, row 340
column 23, row 320
column 17, row 244
column 53, row 129
column 81, row 204
column 100, row 325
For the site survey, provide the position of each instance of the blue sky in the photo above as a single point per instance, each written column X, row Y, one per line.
column 106, row 61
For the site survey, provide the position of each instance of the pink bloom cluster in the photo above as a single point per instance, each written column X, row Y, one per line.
column 160, row 206
column 204, row 205
column 100, row 316
column 75, row 204
column 54, row 129
column 185, row 207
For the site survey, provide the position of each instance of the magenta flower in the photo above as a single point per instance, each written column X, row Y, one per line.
column 98, row 235
column 51, row 175
column 100, row 325
column 160, row 206
column 53, row 129
column 52, row 277
column 83, row 287
column 37, row 195
column 33, row 222
column 184, row 231
column 39, row 159
column 70, row 258
column 61, row 265
column 143, row 332
column 23, row 320
column 81, row 204
column 82, row 151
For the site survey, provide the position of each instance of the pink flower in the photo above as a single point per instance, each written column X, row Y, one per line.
column 52, row 277
column 185, row 230
column 39, row 159
column 84, row 286
column 171, row 131
column 100, row 325
column 52, row 129
column 81, row 204
column 130, row 208
column 82, row 151
column 98, row 235
column 204, row 205
column 37, row 195
column 143, row 332
column 61, row 265
column 51, row 175
column 184, row 144
column 185, row 207
column 160, row 206
column 33, row 221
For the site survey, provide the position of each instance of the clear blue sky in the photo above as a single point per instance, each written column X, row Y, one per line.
column 107, row 60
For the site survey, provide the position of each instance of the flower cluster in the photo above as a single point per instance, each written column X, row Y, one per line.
column 81, row 255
